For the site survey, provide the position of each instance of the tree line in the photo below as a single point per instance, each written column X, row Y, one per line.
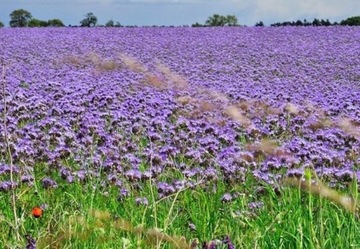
column 23, row 18
column 219, row 20
column 351, row 21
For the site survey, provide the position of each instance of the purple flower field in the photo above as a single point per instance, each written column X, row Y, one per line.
column 222, row 103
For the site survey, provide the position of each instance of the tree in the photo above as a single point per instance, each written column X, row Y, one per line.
column 216, row 20
column 231, row 20
column 37, row 23
column 316, row 22
column 219, row 20
column 259, row 24
column 325, row 23
column 1, row 24
column 110, row 23
column 299, row 23
column 197, row 25
column 89, row 21
column 55, row 23
column 306, row 23
column 20, row 18
column 351, row 21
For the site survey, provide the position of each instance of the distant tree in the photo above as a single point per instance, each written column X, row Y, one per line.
column 110, row 23
column 55, row 23
column 117, row 24
column 299, row 23
column 1, row 24
column 20, row 18
column 325, row 23
column 277, row 24
column 231, row 20
column 306, row 23
column 90, row 20
column 197, row 25
column 351, row 21
column 259, row 24
column 216, row 20
column 316, row 22
column 37, row 23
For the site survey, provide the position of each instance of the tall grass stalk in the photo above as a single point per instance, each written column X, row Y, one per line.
column 6, row 136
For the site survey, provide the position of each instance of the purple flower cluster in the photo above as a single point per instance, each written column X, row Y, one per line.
column 136, row 104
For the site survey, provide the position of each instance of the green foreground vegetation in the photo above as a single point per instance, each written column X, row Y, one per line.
column 90, row 215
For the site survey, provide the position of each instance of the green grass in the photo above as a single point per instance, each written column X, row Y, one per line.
column 87, row 215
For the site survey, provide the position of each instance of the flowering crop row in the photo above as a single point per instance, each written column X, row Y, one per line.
column 134, row 104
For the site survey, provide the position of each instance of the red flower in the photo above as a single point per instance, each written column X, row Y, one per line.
column 37, row 212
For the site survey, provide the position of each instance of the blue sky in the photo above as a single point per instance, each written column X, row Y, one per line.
column 179, row 12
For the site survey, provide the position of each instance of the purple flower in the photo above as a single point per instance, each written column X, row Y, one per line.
column 227, row 197
column 112, row 178
column 165, row 189
column 147, row 174
column 30, row 242
column 255, row 205
column 64, row 172
column 212, row 244
column 7, row 186
column 227, row 241
column 81, row 174
column 6, row 169
column 154, row 137
column 70, row 178
column 44, row 206
column 179, row 185
column 27, row 179
column 48, row 183
column 141, row 201
column 133, row 175
column 123, row 194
